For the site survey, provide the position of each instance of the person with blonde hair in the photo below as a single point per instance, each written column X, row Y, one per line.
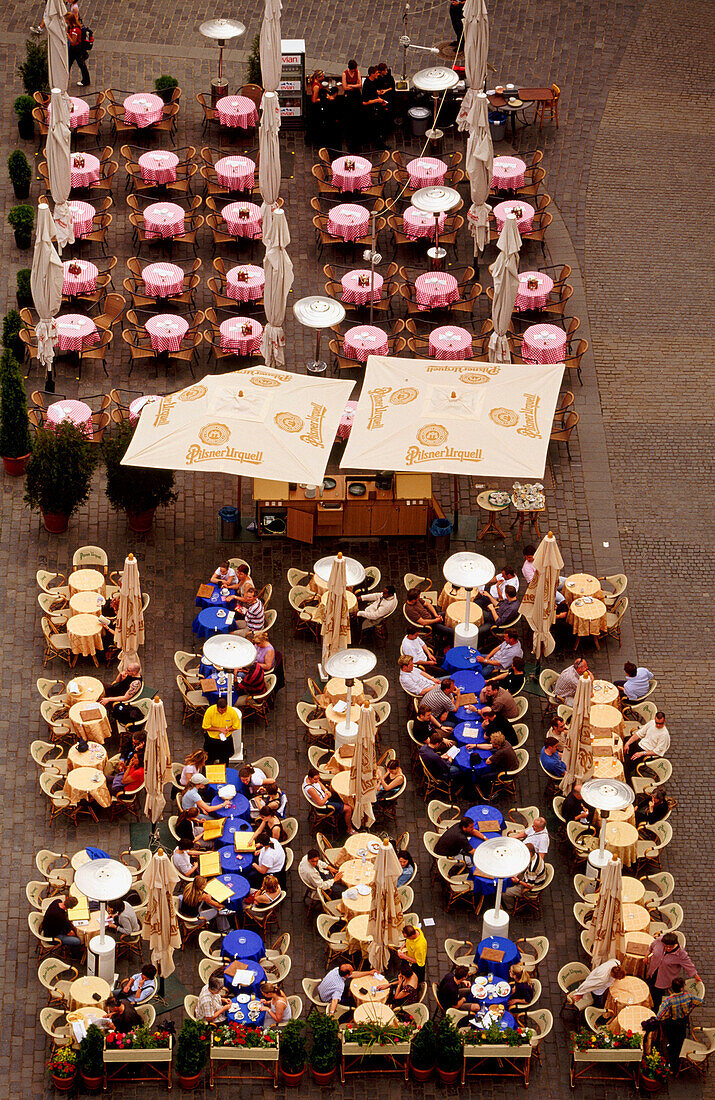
column 276, row 1004
column 268, row 892
column 195, row 902
column 413, row 680
column 522, row 991
column 193, row 763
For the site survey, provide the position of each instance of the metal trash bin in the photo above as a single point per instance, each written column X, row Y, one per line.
column 497, row 125
column 419, row 120
column 229, row 520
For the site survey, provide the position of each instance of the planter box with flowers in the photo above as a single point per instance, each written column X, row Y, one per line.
column 142, row 1054
column 511, row 1045
column 234, row 1042
column 360, row 1041
column 590, row 1049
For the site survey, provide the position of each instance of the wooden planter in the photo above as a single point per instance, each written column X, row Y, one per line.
column 513, row 1061
column 155, row 1064
column 263, row 1058
column 353, row 1057
column 588, row 1061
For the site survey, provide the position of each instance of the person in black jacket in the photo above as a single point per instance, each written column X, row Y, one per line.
column 455, row 841
column 56, row 925
column 123, row 1015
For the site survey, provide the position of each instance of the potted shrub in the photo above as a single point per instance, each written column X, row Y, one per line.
column 63, row 1068
column 654, row 1071
column 423, row 1052
column 325, row 1046
column 15, row 442
column 59, row 474
column 24, row 106
column 192, row 1051
column 292, row 1052
column 22, row 220
column 34, row 70
column 253, row 63
column 20, row 173
column 23, row 291
column 165, row 86
column 90, row 1059
column 11, row 326
column 450, row 1054
column 136, row 490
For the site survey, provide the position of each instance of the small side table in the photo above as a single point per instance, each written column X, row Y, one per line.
column 531, row 515
column 492, row 528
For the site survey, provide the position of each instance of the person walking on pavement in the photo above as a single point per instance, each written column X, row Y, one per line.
column 456, row 14
column 666, row 960
column 77, row 50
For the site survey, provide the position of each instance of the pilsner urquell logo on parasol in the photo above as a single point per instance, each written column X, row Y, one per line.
column 215, row 436
column 314, row 435
column 433, row 436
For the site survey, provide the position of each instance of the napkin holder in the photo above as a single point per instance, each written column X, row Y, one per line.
column 74, row 268
column 243, row 215
column 349, row 165
column 242, row 276
column 363, row 280
column 532, row 284
column 246, row 328
column 78, row 160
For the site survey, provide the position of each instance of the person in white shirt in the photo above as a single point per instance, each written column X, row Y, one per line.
column 507, row 576
column 537, row 836
column 637, row 683
column 528, row 568
column 182, row 858
column 379, row 606
column 598, row 982
column 413, row 680
column 565, row 687
column 269, row 859
column 226, row 576
column 413, row 645
column 317, row 874
column 652, row 739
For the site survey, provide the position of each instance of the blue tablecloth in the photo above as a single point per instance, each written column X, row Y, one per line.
column 233, row 861
column 499, row 943
column 243, row 944
column 233, row 825
column 259, row 975
column 468, row 681
column 240, row 886
column 465, row 733
column 208, row 622
column 238, row 807
column 207, row 671
column 231, row 778
column 238, row 1013
column 491, row 998
column 487, row 887
column 461, row 658
column 463, row 756
column 507, row 1020
column 215, row 600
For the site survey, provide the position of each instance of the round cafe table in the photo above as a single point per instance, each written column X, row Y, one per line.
column 468, row 732
column 356, row 930
column 237, row 111
column 138, row 404
column 86, row 580
column 436, row 290
column 243, row 219
column 373, row 1012
column 87, row 1015
column 636, row 964
column 243, row 944
column 523, row 221
column 245, row 282
column 363, row 340
column 74, row 412
column 603, row 693
column 239, row 806
column 622, row 841
column 88, row 690
column 362, row 989
column 94, row 729
column 533, row 297
column 82, row 216
column 483, row 813
column 450, row 342
column 162, row 280
column 348, row 221
column 166, row 331
column 508, row 173
column 356, row 873
column 456, row 611
column 417, row 224
column 158, row 166
column 426, row 172
column 210, row 621
column 341, row 785
column 75, row 333
column 497, row 943
column 353, row 293
column 241, row 888
column 233, row 862
column 86, row 929
column 544, row 344
column 632, row 891
column 86, row 603
column 95, row 756
column 351, row 179
column 636, row 918
column 460, row 659
column 233, row 337
column 164, row 219
column 581, row 584
column 88, row 991
column 605, row 720
column 336, row 689
column 85, row 635
column 341, row 760
column 236, row 173
column 350, row 597
column 143, row 109
column 353, row 906
column 587, row 619
column 625, row 992
column 82, row 283
column 467, row 682
column 607, row 767
column 79, row 112
column 86, row 783
column 359, row 842
column 630, row 1019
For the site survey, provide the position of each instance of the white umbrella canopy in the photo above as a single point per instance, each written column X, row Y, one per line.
column 270, row 45
column 505, row 273
column 539, row 604
column 57, row 151
column 333, row 614
column 57, row 46
column 479, row 164
column 130, row 616
column 160, row 924
column 363, row 770
column 386, row 920
column 157, row 761
column 46, row 279
column 609, row 939
column 278, row 270
column 259, row 422
column 578, row 752
column 428, row 416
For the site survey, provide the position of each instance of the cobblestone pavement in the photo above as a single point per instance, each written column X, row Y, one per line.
column 622, row 149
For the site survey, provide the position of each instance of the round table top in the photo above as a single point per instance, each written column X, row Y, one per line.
column 75, row 712
column 361, row 989
column 87, row 929
column 336, row 688
column 350, row 597
column 621, row 834
column 583, row 584
column 86, row 603
column 84, row 625
column 94, row 757
column 484, row 502
column 631, row 1018
column 607, row 767
column 361, row 903
column 90, row 690
column 339, row 762
column 341, row 784
column 594, row 610
column 603, row 693
column 358, row 841
column 334, row 716
column 87, row 1015
column 632, row 891
column 629, row 991
column 457, row 610
column 86, row 580
column 644, row 938
column 355, row 871
column 85, row 779
column 243, row 944
column 636, row 918
column 89, row 990
column 604, row 717
column 370, row 1012
column 356, row 928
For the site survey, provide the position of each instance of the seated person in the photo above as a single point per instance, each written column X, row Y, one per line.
column 269, row 859
column 193, row 795
column 319, row 795
column 252, row 682
column 225, row 576
column 269, row 827
column 536, row 834
column 139, row 987
column 407, row 864
column 558, row 731
column 426, row 723
column 573, row 807
column 652, row 808
column 122, row 917
column 334, row 990
column 649, row 742
column 522, row 987
column 269, row 796
column 506, row 579
column 56, row 925
column 455, row 991
column 251, row 610
column 565, row 687
column 128, row 778
column 189, row 826
column 379, row 606
column 276, row 1004
column 503, row 759
column 499, row 699
column 126, row 686
column 123, row 1015
column 455, row 841
column 389, row 779
column 268, row 892
column 317, row 874
column 250, row 780
column 413, row 680
column 438, row 757
column 500, row 658
column 423, row 613
column 186, row 858
column 195, row 902
column 534, row 875
column 213, row 1002
column 267, row 657
column 528, row 568
column 499, row 613
column 443, row 701
column 496, row 723
column 193, row 763
column 413, row 645
column 405, row 990
column 218, row 723
column 550, row 758
column 637, row 683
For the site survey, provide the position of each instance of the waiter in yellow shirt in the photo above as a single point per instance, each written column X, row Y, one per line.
column 219, row 722
column 415, row 949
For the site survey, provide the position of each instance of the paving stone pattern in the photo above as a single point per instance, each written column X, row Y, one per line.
column 611, row 146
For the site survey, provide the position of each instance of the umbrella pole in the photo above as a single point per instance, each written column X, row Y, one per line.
column 497, row 899
column 455, row 497
column 239, row 494
column 49, row 380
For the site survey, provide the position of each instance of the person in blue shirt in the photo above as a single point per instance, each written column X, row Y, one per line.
column 550, row 758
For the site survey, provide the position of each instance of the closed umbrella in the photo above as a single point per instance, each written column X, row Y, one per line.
column 539, row 604
column 46, row 279
column 607, row 924
column 476, row 49
column 479, row 164
column 333, row 613
column 363, row 770
column 505, row 273
column 578, row 753
column 269, row 164
column 57, row 151
column 270, row 45
column 129, row 633
column 278, row 271
column 160, row 924
column 386, row 920
column 57, row 46
column 157, row 761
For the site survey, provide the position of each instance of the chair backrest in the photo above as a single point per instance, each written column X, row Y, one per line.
column 296, row 1007
column 571, row 975
column 542, row 1021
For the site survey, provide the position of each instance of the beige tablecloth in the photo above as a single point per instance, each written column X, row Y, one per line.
column 586, row 619
column 632, row 891
column 341, row 761
column 336, row 689
column 86, row 580
column 621, row 841
column 334, row 717
column 97, row 729
column 605, row 720
column 636, row 918
column 457, row 610
column 630, row 1019
column 355, row 843
column 354, row 906
column 581, row 584
column 350, row 596
column 370, row 1012
column 356, row 930
column 82, row 991
column 86, row 603
column 85, row 931
column 361, row 989
column 85, row 634
column 94, row 757
column 636, row 964
column 607, row 767
column 450, row 594
column 355, row 871
column 603, row 691
column 87, row 783
column 89, row 690
column 625, row 992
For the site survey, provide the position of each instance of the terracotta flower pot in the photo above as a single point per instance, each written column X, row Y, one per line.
column 323, row 1078
column 91, row 1084
column 447, row 1076
column 15, row 466
column 64, row 1084
column 55, row 522
column 188, row 1082
column 421, row 1074
column 292, row 1080
column 650, row 1084
column 141, row 522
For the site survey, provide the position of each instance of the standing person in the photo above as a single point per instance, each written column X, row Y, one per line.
column 374, row 107
column 674, row 1013
column 665, row 962
column 456, row 14
column 218, row 723
column 77, row 49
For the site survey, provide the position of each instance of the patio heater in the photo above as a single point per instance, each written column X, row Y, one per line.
column 604, row 795
column 500, row 858
column 435, row 80
column 468, row 571
column 318, row 313
column 221, row 31
column 350, row 665
column 102, row 880
column 436, row 200
column 372, row 257
column 231, row 653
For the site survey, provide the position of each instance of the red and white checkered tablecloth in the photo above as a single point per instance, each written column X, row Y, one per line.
column 75, row 332
column 536, row 298
column 418, row 224
column 236, row 173
column 346, row 420
column 426, row 171
column 243, row 227
column 233, row 339
column 348, row 221
column 248, row 289
column 508, row 173
column 138, row 404
column 435, row 289
column 166, row 331
column 364, row 340
column 523, row 223
column 237, row 110
column 77, row 412
column 84, row 174
column 450, row 342
column 164, row 219
column 544, row 344
column 82, row 215
column 161, row 280
column 83, row 283
column 143, row 109
column 79, row 112
column 360, row 295
column 158, row 166
column 353, row 179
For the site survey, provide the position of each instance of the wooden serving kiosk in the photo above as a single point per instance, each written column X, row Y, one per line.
column 364, row 505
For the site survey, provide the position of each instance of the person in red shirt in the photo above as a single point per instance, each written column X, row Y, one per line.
column 76, row 50
column 665, row 962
